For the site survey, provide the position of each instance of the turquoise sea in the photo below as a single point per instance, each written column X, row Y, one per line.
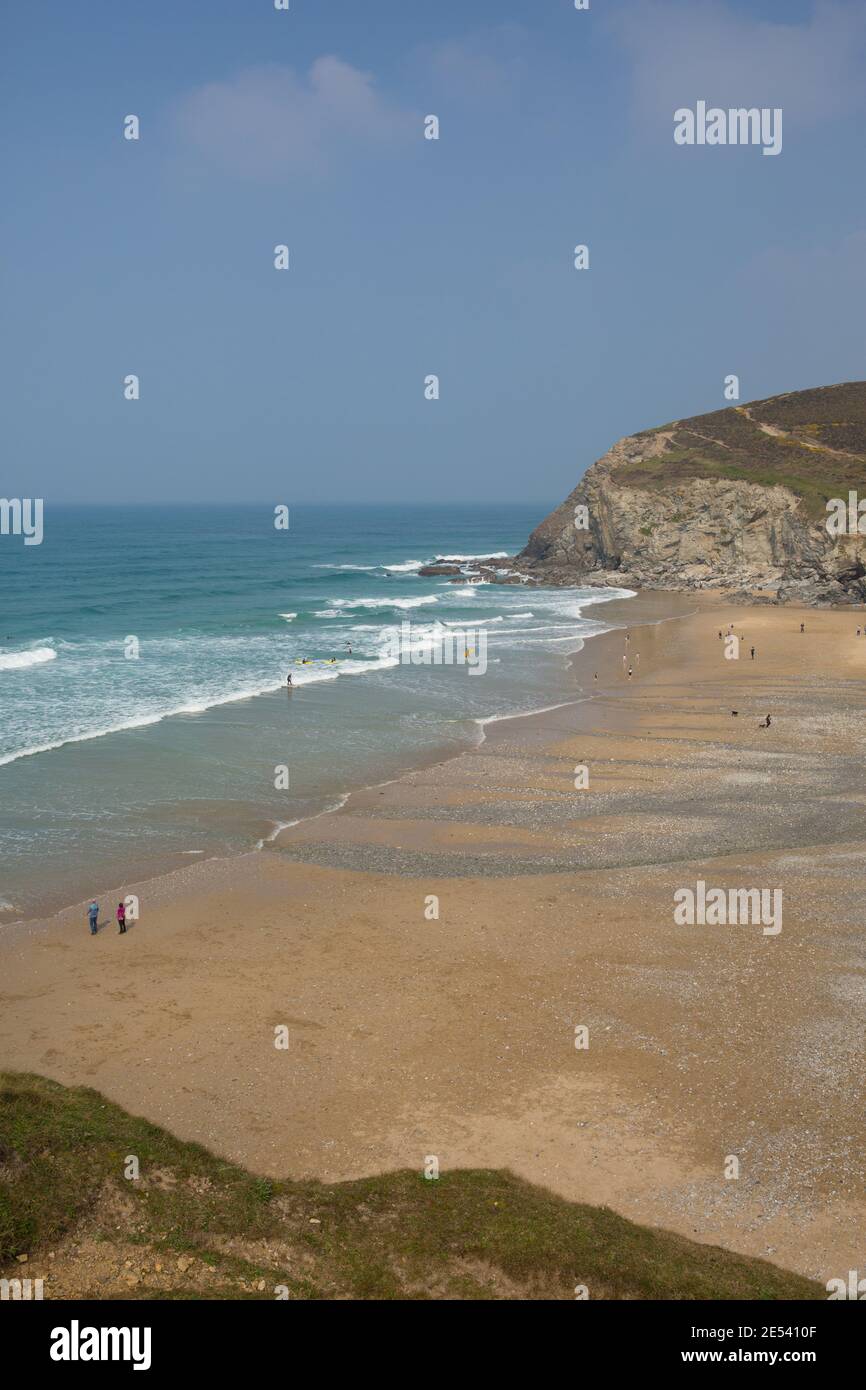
column 143, row 659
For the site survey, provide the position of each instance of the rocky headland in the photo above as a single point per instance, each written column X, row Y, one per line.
column 758, row 501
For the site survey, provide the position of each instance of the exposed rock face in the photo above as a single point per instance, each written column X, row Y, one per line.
column 639, row 519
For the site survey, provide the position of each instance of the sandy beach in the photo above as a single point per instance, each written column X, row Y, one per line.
column 411, row 1034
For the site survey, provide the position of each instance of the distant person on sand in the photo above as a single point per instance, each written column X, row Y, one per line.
column 121, row 917
column 802, row 627
column 289, row 678
column 753, row 653
column 93, row 916
column 629, row 673
column 766, row 723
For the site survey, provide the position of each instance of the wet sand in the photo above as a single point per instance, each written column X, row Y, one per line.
column 455, row 1036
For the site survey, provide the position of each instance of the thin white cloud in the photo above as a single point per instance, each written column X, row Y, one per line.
column 267, row 122
column 683, row 51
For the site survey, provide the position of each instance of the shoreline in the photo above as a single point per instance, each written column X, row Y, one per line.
column 455, row 1035
column 431, row 757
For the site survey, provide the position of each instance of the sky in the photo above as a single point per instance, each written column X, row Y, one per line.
column 410, row 257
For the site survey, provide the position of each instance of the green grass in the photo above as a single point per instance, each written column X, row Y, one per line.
column 727, row 445
column 471, row 1234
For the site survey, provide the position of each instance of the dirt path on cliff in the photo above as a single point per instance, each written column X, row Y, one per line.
column 778, row 433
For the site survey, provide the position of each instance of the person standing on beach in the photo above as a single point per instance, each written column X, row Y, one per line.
column 121, row 917
column 93, row 916
column 753, row 653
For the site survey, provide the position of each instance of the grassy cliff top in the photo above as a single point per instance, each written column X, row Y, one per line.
column 193, row 1226
column 813, row 442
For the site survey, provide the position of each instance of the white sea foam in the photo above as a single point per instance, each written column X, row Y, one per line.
column 19, row 661
column 406, row 567
column 281, row 825
column 383, row 602
column 288, row 616
column 464, row 559
column 160, row 695
column 300, row 676
column 475, row 620
column 521, row 714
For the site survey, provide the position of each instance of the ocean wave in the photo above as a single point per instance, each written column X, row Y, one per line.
column 144, row 720
column 406, row 568
column 212, row 673
column 19, row 661
column 472, row 620
column 383, row 602
column 463, row 559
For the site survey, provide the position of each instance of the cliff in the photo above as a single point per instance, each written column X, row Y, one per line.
column 734, row 500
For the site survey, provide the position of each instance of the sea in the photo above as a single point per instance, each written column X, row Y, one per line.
column 145, row 721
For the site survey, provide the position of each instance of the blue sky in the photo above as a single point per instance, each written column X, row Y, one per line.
column 408, row 256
